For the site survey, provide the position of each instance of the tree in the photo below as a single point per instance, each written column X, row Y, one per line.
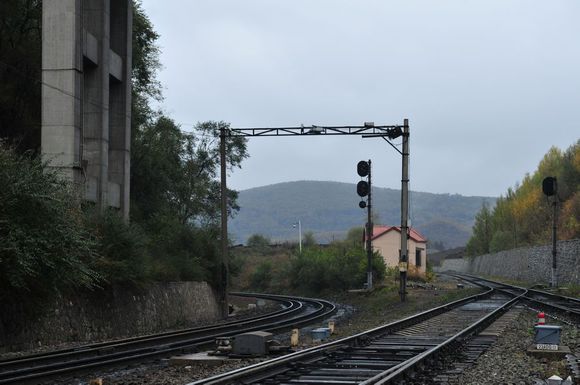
column 355, row 236
column 309, row 240
column 145, row 57
column 524, row 215
column 175, row 172
column 258, row 241
column 199, row 181
column 482, row 232
column 20, row 57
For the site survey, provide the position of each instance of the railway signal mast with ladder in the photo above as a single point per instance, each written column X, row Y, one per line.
column 364, row 188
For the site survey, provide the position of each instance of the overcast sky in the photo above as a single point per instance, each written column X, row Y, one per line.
column 488, row 86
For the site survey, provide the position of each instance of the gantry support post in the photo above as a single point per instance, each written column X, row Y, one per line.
column 224, row 263
column 404, row 258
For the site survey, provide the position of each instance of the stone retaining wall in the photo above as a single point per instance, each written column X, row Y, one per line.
column 108, row 314
column 532, row 264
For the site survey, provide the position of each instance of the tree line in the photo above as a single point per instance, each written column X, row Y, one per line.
column 50, row 239
column 523, row 216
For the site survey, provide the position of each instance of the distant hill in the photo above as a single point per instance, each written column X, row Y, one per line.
column 330, row 209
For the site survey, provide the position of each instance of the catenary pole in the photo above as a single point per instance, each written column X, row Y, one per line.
column 300, row 236
column 224, row 265
column 404, row 258
column 554, row 241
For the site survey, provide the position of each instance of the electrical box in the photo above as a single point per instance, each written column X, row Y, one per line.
column 252, row 344
column 547, row 335
column 320, row 333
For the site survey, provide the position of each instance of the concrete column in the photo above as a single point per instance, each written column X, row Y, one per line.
column 86, row 95
column 120, row 104
column 61, row 84
column 96, row 18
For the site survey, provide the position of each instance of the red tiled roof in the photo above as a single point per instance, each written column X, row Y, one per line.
column 378, row 231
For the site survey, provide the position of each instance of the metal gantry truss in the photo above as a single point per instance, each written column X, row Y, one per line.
column 366, row 130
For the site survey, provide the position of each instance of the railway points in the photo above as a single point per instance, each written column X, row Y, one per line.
column 433, row 346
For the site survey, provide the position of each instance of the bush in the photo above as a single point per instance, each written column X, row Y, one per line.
column 337, row 267
column 262, row 277
column 182, row 252
column 44, row 245
column 258, row 241
column 122, row 247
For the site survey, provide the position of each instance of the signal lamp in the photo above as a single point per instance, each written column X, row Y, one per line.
column 362, row 188
column 550, row 186
column 363, row 168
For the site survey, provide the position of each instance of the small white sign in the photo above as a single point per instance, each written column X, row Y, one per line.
column 546, row 347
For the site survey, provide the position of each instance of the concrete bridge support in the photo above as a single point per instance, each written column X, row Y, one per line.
column 86, row 96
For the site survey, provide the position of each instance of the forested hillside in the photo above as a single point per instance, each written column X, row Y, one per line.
column 523, row 216
column 329, row 209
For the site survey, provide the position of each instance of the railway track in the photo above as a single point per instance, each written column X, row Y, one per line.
column 382, row 355
column 399, row 352
column 542, row 300
column 407, row 351
column 294, row 312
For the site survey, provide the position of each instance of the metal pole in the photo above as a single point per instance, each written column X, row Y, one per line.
column 300, row 236
column 369, row 236
column 554, row 241
column 224, row 268
column 403, row 259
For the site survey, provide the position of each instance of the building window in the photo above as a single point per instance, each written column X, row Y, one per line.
column 418, row 257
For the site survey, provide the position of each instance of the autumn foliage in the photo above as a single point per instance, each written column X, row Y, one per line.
column 523, row 216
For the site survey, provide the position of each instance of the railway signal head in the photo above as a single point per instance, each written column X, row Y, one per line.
column 362, row 204
column 362, row 188
column 550, row 186
column 363, row 168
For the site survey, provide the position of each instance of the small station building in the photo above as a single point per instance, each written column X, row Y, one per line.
column 386, row 240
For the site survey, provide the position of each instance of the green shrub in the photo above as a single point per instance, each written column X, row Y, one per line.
column 262, row 277
column 337, row 267
column 258, row 241
column 122, row 247
column 182, row 252
column 44, row 245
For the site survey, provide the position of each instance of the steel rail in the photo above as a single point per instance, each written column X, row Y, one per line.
column 282, row 369
column 313, row 354
column 564, row 304
column 289, row 306
column 156, row 348
column 395, row 373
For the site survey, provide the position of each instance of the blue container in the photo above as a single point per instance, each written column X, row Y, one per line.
column 547, row 334
column 320, row 333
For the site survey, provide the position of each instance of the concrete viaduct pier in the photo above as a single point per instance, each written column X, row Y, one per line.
column 86, row 96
